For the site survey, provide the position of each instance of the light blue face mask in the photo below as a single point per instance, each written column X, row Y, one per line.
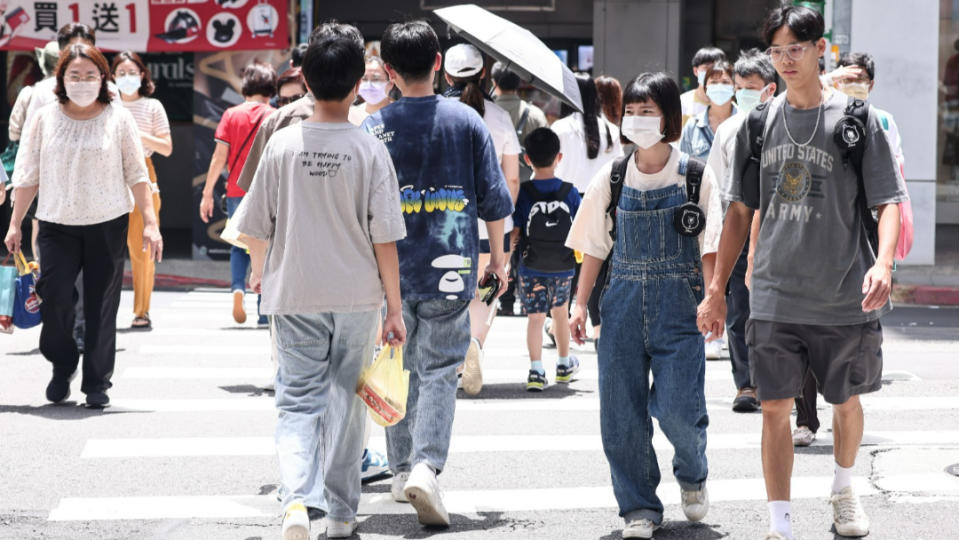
column 701, row 77
column 747, row 99
column 720, row 94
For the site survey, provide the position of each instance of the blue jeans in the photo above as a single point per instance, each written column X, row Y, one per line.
column 239, row 258
column 649, row 327
column 437, row 337
column 319, row 431
column 737, row 313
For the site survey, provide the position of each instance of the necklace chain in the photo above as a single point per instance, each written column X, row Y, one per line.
column 822, row 100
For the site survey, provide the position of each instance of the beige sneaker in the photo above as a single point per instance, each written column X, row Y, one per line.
column 639, row 528
column 803, row 436
column 239, row 312
column 472, row 369
column 296, row 522
column 773, row 535
column 423, row 492
column 848, row 516
column 695, row 503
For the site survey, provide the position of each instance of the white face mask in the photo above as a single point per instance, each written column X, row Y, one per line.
column 856, row 90
column 643, row 130
column 372, row 92
column 720, row 94
column 701, row 76
column 83, row 93
column 129, row 84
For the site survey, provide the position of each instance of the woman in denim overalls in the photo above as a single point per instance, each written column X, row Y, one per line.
column 649, row 308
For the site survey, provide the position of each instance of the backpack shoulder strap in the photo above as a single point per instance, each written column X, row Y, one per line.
column 756, row 135
column 694, row 179
column 531, row 191
column 523, row 118
column 564, row 190
column 617, row 177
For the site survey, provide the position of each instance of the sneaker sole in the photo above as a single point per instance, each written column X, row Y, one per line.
column 426, row 511
column 341, row 534
column 472, row 372
column 852, row 533
column 296, row 532
column 535, row 387
column 745, row 406
column 239, row 314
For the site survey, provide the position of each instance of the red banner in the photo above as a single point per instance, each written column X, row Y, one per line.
column 150, row 25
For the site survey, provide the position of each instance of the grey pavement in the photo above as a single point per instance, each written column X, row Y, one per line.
column 186, row 450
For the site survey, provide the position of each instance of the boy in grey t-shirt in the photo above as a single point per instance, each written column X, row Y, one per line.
column 817, row 289
column 321, row 221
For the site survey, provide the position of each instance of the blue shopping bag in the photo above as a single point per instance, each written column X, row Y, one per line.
column 8, row 289
column 26, row 303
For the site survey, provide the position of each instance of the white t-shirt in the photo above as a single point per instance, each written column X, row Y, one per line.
column 576, row 167
column 505, row 142
column 592, row 225
column 85, row 168
column 150, row 117
column 724, row 145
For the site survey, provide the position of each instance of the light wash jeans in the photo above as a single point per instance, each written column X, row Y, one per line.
column 437, row 337
column 319, row 432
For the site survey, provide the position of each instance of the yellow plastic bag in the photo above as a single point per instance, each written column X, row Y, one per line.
column 384, row 387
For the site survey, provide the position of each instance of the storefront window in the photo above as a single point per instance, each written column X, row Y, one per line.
column 948, row 167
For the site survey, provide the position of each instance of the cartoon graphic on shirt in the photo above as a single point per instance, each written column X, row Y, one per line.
column 447, row 199
column 452, row 281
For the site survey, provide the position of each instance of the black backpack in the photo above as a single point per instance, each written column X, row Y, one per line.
column 849, row 135
column 544, row 234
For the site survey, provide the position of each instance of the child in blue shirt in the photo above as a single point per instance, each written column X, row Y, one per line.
column 542, row 219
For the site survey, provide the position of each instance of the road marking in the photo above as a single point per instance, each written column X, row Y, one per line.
column 209, row 350
column 459, row 502
column 920, row 484
column 193, row 405
column 462, row 444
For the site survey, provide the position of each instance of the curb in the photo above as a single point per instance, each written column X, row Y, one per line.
column 169, row 282
column 925, row 295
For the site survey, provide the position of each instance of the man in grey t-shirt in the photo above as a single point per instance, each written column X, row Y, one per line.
column 817, row 289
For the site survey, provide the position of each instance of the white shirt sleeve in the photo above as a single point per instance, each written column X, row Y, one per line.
column 710, row 203
column 26, row 171
column 589, row 233
column 131, row 150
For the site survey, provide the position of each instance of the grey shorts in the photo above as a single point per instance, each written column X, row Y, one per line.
column 846, row 360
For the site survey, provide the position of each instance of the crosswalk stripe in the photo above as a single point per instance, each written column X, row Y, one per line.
column 532, row 404
column 469, row 502
column 461, row 444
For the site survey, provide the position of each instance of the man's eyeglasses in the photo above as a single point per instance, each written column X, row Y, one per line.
column 281, row 101
column 794, row 52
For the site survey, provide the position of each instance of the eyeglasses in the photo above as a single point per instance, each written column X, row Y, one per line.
column 373, row 79
column 122, row 73
column 288, row 99
column 794, row 52
column 88, row 78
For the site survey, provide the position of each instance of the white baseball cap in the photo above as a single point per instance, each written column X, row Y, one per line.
column 463, row 60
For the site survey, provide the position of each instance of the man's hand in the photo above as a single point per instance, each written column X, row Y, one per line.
column 577, row 324
column 153, row 242
column 206, row 207
column 876, row 286
column 256, row 281
column 394, row 329
column 498, row 268
column 12, row 241
column 711, row 316
column 846, row 73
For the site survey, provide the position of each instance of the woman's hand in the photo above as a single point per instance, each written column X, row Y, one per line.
column 153, row 242
column 206, row 207
column 12, row 241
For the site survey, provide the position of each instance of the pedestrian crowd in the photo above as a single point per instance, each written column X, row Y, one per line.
column 652, row 223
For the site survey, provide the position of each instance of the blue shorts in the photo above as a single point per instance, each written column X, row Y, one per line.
column 484, row 245
column 541, row 294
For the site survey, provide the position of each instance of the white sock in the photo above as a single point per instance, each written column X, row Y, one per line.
column 563, row 361
column 537, row 365
column 779, row 514
column 842, row 479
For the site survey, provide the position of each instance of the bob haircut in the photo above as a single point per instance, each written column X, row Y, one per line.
column 146, row 82
column 610, row 97
column 662, row 90
column 79, row 50
column 805, row 23
column 259, row 79
column 719, row 67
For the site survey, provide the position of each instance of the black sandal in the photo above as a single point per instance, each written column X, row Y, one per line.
column 141, row 323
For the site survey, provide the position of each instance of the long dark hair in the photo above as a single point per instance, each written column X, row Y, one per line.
column 471, row 93
column 587, row 90
column 610, row 97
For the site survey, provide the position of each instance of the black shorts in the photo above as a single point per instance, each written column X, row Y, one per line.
column 484, row 245
column 846, row 360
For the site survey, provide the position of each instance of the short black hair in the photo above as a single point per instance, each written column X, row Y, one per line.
column 332, row 66
column 753, row 62
column 410, row 48
column 75, row 30
column 334, row 28
column 708, row 55
column 296, row 55
column 859, row 59
column 259, row 79
column 661, row 89
column 542, row 146
column 805, row 23
column 504, row 78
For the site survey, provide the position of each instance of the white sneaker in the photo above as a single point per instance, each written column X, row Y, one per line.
column 695, row 503
column 423, row 492
column 639, row 528
column 472, row 369
column 296, row 522
column 848, row 516
column 773, row 535
column 803, row 436
column 714, row 350
column 399, row 483
column 340, row 529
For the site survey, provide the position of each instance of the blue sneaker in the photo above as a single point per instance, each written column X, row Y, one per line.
column 564, row 374
column 263, row 322
column 536, row 381
column 375, row 465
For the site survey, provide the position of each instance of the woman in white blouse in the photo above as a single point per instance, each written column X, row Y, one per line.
column 135, row 85
column 87, row 158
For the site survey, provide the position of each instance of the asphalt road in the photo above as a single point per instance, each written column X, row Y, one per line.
column 186, row 450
